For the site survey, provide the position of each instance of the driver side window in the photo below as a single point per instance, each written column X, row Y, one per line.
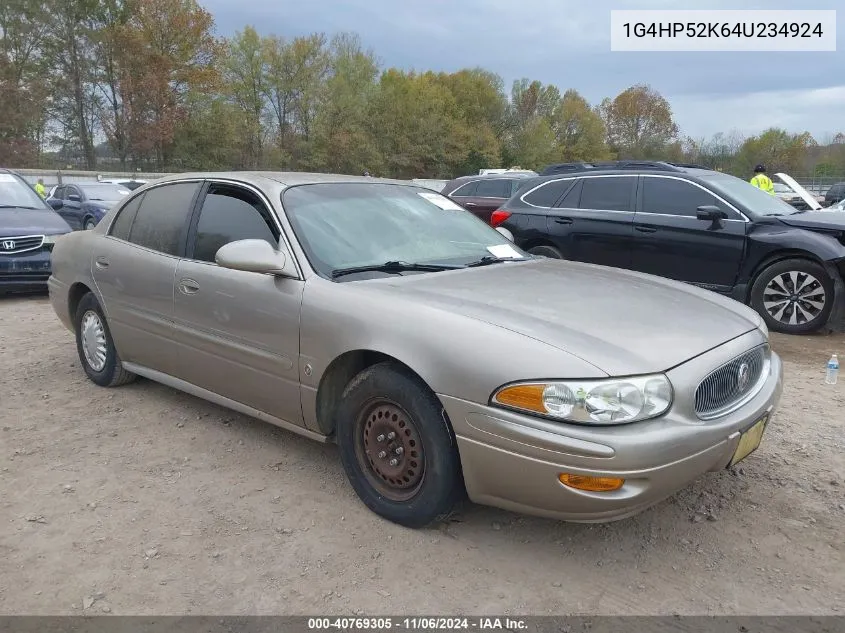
column 229, row 214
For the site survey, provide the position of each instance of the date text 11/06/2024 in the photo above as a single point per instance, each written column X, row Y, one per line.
column 416, row 624
column 723, row 29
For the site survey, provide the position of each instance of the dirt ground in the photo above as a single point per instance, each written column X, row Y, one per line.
column 142, row 500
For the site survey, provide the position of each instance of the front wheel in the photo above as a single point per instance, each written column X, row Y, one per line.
column 794, row 296
column 89, row 224
column 397, row 449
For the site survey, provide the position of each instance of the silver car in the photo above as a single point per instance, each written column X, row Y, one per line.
column 443, row 361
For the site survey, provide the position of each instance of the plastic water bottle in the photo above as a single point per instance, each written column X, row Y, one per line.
column 832, row 370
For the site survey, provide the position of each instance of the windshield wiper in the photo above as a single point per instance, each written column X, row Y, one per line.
column 391, row 267
column 490, row 259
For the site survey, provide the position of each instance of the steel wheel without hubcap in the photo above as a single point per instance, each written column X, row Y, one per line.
column 389, row 450
column 93, row 340
column 794, row 297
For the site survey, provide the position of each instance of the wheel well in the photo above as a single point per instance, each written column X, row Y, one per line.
column 338, row 375
column 75, row 294
column 529, row 244
column 773, row 259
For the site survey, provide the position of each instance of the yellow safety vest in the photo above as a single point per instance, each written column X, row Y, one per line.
column 762, row 181
column 40, row 190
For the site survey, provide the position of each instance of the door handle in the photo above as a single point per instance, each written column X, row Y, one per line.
column 101, row 262
column 470, row 204
column 645, row 229
column 188, row 286
column 563, row 220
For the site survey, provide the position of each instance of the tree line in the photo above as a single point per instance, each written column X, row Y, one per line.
column 150, row 85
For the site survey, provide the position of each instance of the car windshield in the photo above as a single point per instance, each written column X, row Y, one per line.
column 15, row 193
column 350, row 225
column 757, row 201
column 106, row 192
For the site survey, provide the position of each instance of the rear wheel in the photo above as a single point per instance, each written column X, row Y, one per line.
column 794, row 296
column 397, row 450
column 546, row 251
column 89, row 224
column 95, row 345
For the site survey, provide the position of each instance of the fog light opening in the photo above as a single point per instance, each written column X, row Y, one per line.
column 591, row 484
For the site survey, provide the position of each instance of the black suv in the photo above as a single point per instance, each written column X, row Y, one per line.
column 692, row 224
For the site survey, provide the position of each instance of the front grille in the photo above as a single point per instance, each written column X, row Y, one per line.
column 731, row 385
column 20, row 244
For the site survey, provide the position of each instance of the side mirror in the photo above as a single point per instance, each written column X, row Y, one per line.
column 710, row 213
column 508, row 235
column 256, row 256
column 74, row 198
column 55, row 203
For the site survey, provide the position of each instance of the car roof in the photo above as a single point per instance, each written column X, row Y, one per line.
column 287, row 179
column 625, row 167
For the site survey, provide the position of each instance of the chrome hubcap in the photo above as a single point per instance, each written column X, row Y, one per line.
column 794, row 298
column 93, row 340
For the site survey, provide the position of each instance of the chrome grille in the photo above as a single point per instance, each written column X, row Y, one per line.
column 731, row 385
column 20, row 244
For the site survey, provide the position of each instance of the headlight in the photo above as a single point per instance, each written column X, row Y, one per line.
column 50, row 239
column 763, row 327
column 597, row 402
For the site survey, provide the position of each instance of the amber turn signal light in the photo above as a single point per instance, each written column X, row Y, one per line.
column 592, row 484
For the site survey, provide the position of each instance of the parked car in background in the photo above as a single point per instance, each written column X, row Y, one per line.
column 129, row 183
column 554, row 388
column 834, row 194
column 481, row 195
column 83, row 204
column 28, row 230
column 807, row 201
column 693, row 225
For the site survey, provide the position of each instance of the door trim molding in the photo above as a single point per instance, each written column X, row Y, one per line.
column 210, row 396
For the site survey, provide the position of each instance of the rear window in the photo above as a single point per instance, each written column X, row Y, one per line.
column 496, row 188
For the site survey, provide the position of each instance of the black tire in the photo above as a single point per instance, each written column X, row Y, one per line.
column 546, row 251
column 89, row 224
column 112, row 373
column 805, row 270
column 417, row 414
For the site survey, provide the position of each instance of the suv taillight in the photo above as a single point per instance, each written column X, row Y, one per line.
column 498, row 217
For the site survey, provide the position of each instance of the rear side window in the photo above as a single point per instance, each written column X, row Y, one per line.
column 548, row 193
column 160, row 220
column 669, row 196
column 572, row 198
column 611, row 193
column 466, row 190
column 230, row 214
column 123, row 222
column 493, row 189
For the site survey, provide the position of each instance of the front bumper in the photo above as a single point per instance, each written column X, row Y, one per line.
column 25, row 271
column 512, row 461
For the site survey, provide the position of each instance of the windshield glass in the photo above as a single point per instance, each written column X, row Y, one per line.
column 343, row 225
column 755, row 200
column 107, row 192
column 14, row 192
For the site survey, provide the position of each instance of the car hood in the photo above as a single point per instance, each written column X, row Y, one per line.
column 14, row 222
column 620, row 321
column 824, row 220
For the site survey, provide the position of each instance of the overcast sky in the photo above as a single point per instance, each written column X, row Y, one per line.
column 567, row 43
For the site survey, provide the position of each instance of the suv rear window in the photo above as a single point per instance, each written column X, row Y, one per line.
column 494, row 188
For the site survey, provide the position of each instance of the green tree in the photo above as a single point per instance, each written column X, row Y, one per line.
column 341, row 139
column 777, row 149
column 579, row 130
column 244, row 74
column 639, row 122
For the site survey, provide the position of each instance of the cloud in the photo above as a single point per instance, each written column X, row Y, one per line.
column 568, row 44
